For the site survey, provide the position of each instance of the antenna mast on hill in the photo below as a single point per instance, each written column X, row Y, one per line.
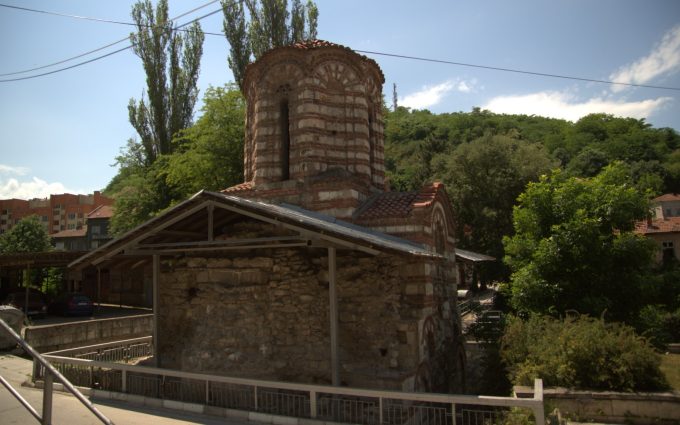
column 394, row 96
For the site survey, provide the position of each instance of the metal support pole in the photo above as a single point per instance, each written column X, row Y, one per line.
column 21, row 400
column 312, row 404
column 333, row 316
column 47, row 399
column 123, row 383
column 453, row 413
column 27, row 282
column 50, row 370
column 156, row 276
column 255, row 396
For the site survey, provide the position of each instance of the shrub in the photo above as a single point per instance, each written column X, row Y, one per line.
column 660, row 326
column 580, row 353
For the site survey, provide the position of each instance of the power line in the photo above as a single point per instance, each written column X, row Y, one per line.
column 518, row 71
column 447, row 62
column 95, row 50
column 66, row 15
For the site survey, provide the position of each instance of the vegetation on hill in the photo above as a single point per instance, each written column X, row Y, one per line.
column 485, row 179
column 576, row 189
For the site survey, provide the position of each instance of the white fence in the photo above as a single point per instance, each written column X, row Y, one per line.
column 323, row 403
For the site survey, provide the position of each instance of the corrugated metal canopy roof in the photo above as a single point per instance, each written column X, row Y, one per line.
column 314, row 225
column 473, row 256
column 39, row 259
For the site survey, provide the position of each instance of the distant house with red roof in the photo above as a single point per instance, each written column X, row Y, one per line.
column 664, row 226
column 91, row 235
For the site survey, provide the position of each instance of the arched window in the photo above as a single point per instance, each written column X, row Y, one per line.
column 371, row 140
column 284, row 152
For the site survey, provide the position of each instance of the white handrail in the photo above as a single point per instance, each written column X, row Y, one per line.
column 535, row 403
column 50, row 374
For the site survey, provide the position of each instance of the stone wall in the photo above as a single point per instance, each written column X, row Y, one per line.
column 88, row 332
column 611, row 407
column 266, row 316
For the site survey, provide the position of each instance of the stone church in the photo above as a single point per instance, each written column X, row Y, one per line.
column 311, row 270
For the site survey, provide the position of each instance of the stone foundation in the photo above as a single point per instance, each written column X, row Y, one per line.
column 266, row 317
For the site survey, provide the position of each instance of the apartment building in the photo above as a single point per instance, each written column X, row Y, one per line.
column 57, row 213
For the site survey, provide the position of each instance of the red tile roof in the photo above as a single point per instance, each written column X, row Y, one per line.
column 71, row 233
column 239, row 188
column 665, row 225
column 316, row 44
column 667, row 197
column 102, row 211
column 312, row 44
column 398, row 204
column 389, row 204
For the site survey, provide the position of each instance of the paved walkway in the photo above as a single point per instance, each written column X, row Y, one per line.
column 68, row 410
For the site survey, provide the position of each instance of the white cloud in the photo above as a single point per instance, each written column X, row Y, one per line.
column 17, row 171
column 432, row 95
column 35, row 188
column 563, row 105
column 665, row 58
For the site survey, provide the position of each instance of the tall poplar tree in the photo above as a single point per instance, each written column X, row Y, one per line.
column 171, row 62
column 270, row 25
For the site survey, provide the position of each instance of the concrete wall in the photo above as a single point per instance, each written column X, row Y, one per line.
column 68, row 335
column 612, row 407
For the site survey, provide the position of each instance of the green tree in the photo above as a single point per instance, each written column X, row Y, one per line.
column 171, row 62
column 209, row 155
column 484, row 179
column 581, row 353
column 28, row 235
column 270, row 25
column 574, row 248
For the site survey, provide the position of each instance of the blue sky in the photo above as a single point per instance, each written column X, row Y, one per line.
column 61, row 132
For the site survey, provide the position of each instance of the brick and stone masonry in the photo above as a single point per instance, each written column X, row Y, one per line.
column 314, row 139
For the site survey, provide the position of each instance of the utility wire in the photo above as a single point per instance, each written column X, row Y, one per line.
column 108, row 21
column 494, row 68
column 100, row 57
column 95, row 50
column 66, row 15
column 518, row 71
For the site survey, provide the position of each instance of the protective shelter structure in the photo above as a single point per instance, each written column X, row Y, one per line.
column 309, row 271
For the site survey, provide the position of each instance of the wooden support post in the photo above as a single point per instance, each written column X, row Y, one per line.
column 99, row 287
column 211, row 222
column 333, row 316
column 156, row 277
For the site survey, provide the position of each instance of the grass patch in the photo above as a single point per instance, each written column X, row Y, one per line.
column 670, row 366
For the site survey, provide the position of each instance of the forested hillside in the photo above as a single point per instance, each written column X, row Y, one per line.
column 487, row 159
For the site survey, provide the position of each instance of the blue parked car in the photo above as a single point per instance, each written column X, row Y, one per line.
column 73, row 304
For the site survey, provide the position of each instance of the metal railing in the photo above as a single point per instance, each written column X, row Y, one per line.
column 125, row 351
column 49, row 375
column 326, row 403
